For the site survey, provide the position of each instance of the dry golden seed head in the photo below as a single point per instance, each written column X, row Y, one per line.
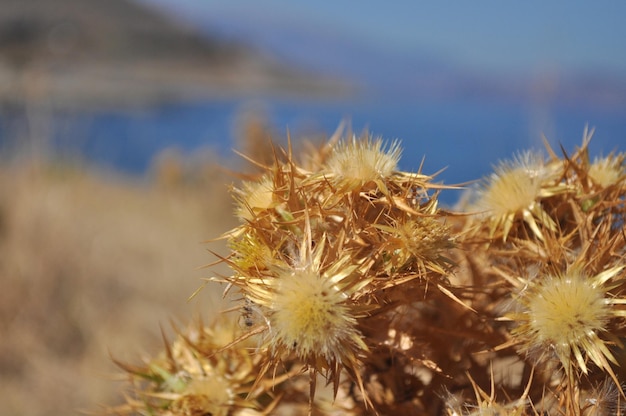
column 514, row 186
column 427, row 236
column 306, row 301
column 196, row 376
column 565, row 314
column 514, row 191
column 211, row 395
column 604, row 399
column 250, row 252
column 361, row 161
column 607, row 171
column 567, row 309
column 310, row 316
column 255, row 197
column 420, row 242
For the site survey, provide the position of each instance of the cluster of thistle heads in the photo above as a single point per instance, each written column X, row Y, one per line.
column 358, row 294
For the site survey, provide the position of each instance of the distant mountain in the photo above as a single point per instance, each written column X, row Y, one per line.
column 119, row 52
column 112, row 53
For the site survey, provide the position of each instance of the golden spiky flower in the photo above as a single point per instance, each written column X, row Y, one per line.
column 607, row 171
column 196, row 375
column 567, row 314
column 207, row 395
column 514, row 191
column 357, row 162
column 310, row 316
column 249, row 251
column 254, row 197
column 308, row 307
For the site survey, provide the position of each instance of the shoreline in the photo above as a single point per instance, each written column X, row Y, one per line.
column 136, row 85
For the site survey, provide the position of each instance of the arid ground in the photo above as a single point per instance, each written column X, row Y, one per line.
column 92, row 266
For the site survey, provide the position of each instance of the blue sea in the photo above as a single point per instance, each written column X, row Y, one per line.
column 462, row 137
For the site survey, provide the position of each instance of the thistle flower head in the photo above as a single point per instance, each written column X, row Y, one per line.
column 210, row 395
column 195, row 375
column 249, row 251
column 515, row 185
column 513, row 191
column 607, row 171
column 567, row 314
column 308, row 306
column 358, row 162
column 603, row 399
column 418, row 244
column 255, row 197
column 310, row 316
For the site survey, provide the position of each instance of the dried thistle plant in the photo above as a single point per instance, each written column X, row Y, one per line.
column 566, row 316
column 350, row 276
column 338, row 245
column 515, row 191
column 195, row 375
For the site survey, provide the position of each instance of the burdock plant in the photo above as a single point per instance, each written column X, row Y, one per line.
column 355, row 293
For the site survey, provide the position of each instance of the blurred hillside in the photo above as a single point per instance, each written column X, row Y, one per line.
column 94, row 264
column 74, row 53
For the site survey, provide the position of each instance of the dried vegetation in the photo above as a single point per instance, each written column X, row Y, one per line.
column 355, row 293
column 90, row 264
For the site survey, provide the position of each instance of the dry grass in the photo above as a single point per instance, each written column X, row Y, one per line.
column 92, row 264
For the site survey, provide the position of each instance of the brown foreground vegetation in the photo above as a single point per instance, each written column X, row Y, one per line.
column 355, row 294
column 358, row 295
column 93, row 265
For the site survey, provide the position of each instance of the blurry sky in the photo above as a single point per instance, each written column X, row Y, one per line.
column 484, row 36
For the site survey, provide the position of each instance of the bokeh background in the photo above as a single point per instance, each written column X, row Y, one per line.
column 117, row 120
